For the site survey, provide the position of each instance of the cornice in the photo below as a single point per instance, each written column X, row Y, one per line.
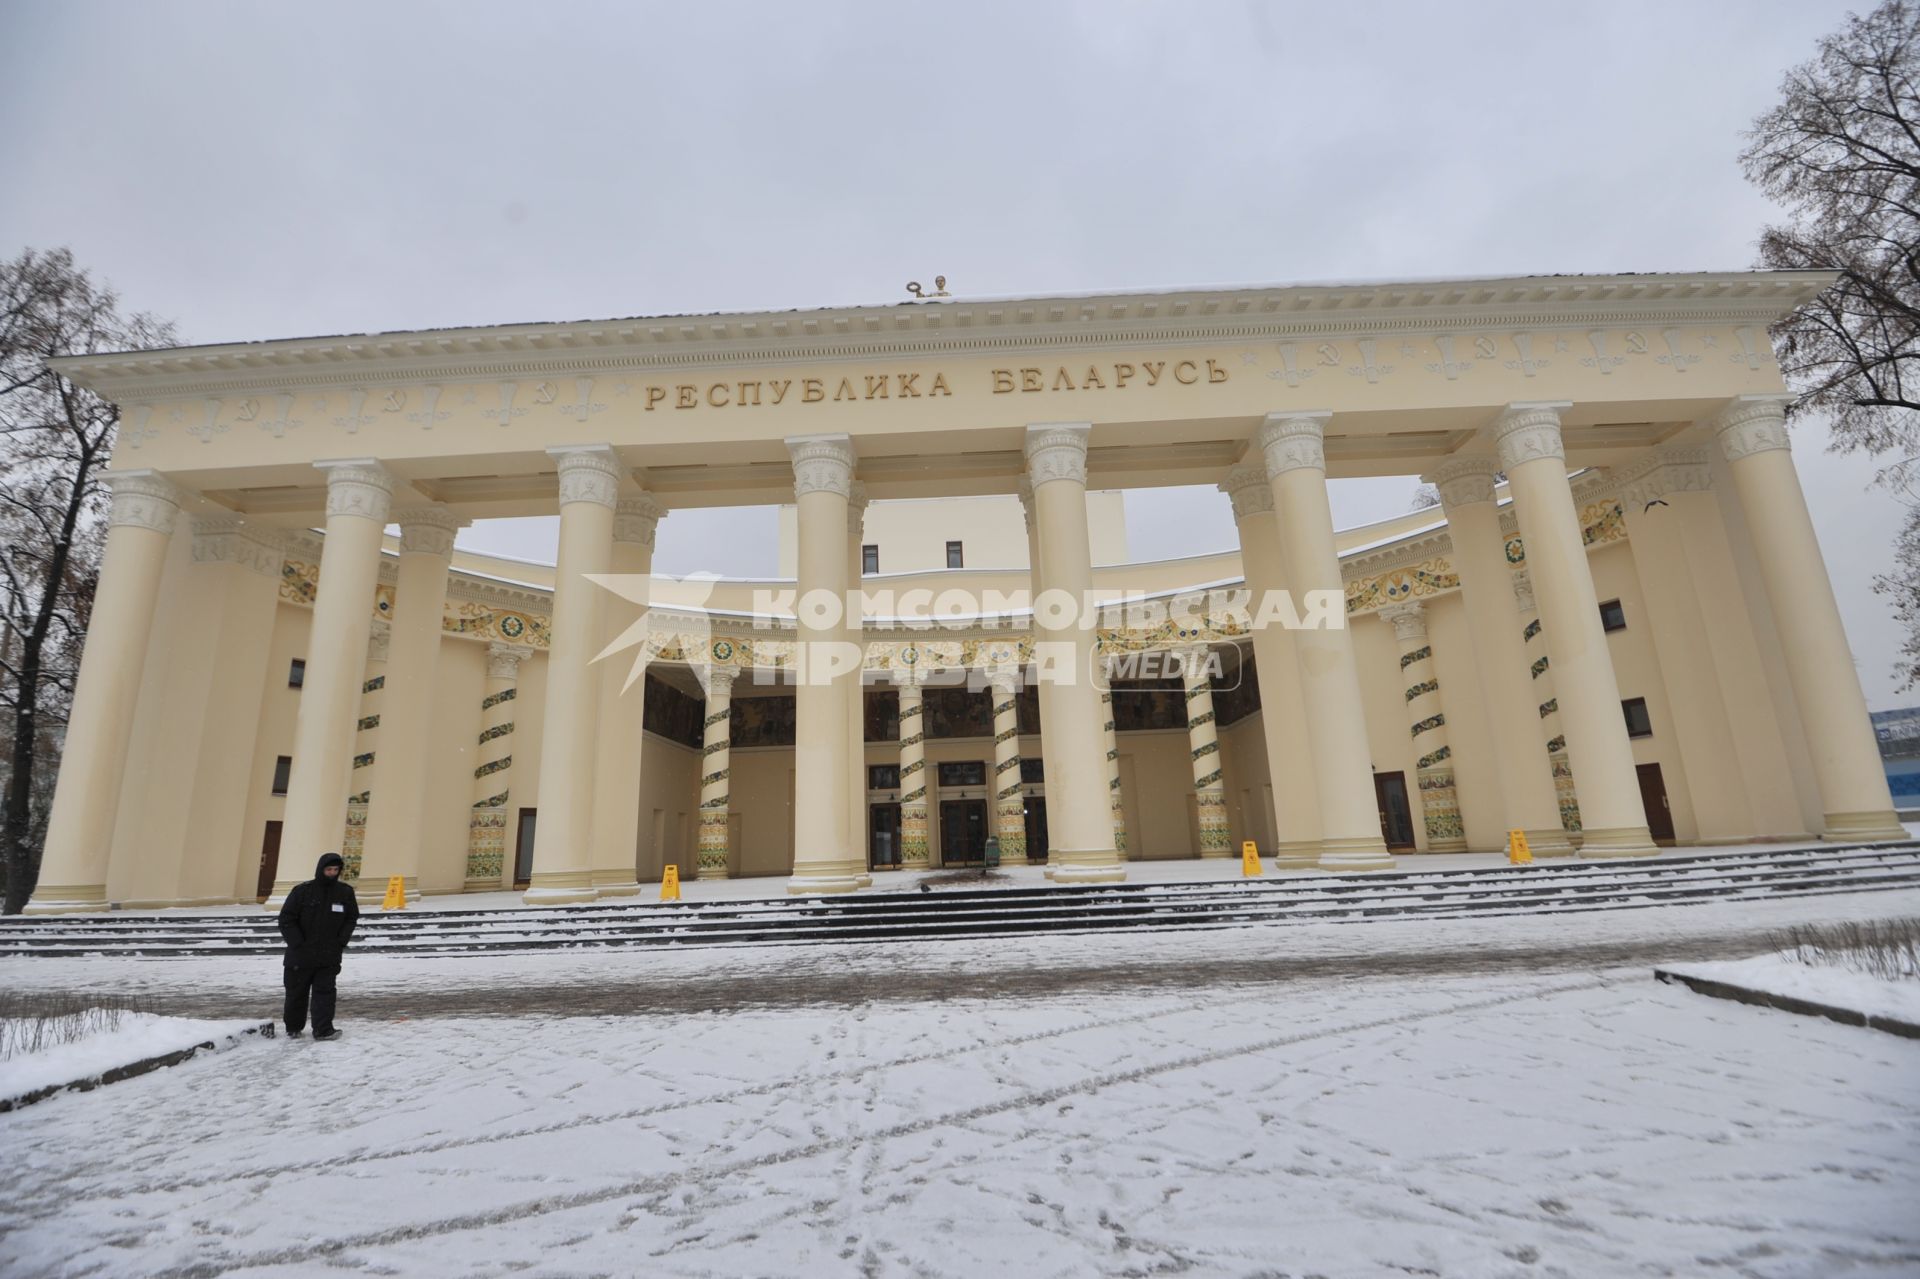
column 953, row 327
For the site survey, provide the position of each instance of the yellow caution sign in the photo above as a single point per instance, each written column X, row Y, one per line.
column 396, row 894
column 670, row 884
column 1517, row 848
column 1249, row 861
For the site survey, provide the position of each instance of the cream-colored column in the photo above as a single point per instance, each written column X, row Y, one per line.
column 1009, row 809
column 715, row 770
column 487, row 869
column 1079, row 813
column 1527, row 801
column 824, row 859
column 86, row 798
column 1043, row 696
column 395, row 827
column 616, row 765
column 1533, row 636
column 359, row 492
column 1652, row 491
column 1203, row 750
column 1439, row 802
column 856, row 685
column 562, row 849
column 366, row 751
column 1612, row 821
column 1294, row 447
column 1283, row 712
column 1857, row 803
column 1114, row 797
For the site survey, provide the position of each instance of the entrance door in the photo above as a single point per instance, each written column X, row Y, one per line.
column 1653, row 797
column 1396, row 816
column 963, row 832
column 269, row 861
column 523, row 849
column 883, row 837
column 1036, row 828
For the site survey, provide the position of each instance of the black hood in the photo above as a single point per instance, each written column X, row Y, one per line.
column 326, row 860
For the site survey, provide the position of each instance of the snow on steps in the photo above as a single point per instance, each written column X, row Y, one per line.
column 1544, row 888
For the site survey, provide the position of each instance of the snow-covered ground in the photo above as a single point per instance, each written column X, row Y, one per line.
column 1360, row 1117
column 1822, row 984
column 134, row 1037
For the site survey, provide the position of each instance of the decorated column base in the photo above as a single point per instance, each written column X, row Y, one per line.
column 1354, row 854
column 66, row 899
column 486, row 851
column 913, row 838
column 558, row 887
column 1618, row 841
column 1862, row 828
column 1099, row 866
column 1216, row 839
column 1440, row 811
column 615, row 883
column 828, row 877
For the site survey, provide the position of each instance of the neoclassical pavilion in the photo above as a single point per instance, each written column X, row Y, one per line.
column 1615, row 631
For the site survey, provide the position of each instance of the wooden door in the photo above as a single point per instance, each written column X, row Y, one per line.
column 883, row 837
column 1653, row 797
column 523, row 848
column 1396, row 815
column 963, row 832
column 269, row 861
column 1036, row 828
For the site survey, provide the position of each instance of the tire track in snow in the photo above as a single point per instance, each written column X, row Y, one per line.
column 549, row 1204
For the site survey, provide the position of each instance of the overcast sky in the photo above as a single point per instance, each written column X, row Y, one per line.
column 274, row 170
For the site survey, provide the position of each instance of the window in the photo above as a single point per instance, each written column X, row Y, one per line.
column 1639, row 723
column 968, row 773
column 870, row 558
column 954, row 558
column 1612, row 616
column 1032, row 770
column 297, row 673
column 282, row 768
column 883, row 777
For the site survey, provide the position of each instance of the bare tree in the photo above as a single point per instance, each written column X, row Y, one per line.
column 54, row 442
column 1842, row 152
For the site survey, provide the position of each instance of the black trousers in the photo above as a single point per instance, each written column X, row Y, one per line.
column 310, row 982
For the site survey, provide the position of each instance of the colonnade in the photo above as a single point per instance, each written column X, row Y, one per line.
column 1319, row 757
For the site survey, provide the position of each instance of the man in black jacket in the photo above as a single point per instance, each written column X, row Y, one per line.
column 316, row 919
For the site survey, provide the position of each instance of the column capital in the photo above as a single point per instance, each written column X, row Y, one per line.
column 428, row 530
column 715, row 680
column 1409, row 621
column 1057, row 451
column 1247, row 487
column 822, row 464
column 503, row 660
column 1293, row 441
column 1004, row 680
column 1752, row 424
column 1464, row 479
column 231, row 539
column 1024, row 491
column 1674, row 469
column 909, row 678
column 1525, row 432
column 358, row 486
column 1523, row 591
column 856, row 509
column 636, row 520
column 588, row 473
column 143, row 499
